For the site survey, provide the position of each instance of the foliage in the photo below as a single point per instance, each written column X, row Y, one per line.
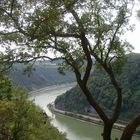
column 5, row 87
column 57, row 26
column 20, row 119
column 103, row 91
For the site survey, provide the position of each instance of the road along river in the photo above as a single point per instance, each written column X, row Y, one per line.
column 74, row 128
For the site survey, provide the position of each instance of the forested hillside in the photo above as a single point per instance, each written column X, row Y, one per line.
column 103, row 91
column 43, row 75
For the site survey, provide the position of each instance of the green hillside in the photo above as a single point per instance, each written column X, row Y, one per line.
column 104, row 92
column 43, row 75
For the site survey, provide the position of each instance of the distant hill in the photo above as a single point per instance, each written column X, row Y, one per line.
column 103, row 91
column 43, row 75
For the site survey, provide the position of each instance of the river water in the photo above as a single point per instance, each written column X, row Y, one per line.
column 74, row 128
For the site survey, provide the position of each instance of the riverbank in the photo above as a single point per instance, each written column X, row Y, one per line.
column 95, row 120
column 82, row 117
column 50, row 88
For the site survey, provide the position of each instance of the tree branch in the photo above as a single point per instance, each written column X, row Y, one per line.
column 12, row 5
column 7, row 33
column 131, row 128
column 112, row 41
column 89, row 59
column 66, row 35
column 14, row 20
column 118, row 106
column 83, row 84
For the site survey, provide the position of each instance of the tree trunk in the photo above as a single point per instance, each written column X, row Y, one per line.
column 127, row 134
column 130, row 128
column 107, row 131
column 93, row 102
column 108, row 123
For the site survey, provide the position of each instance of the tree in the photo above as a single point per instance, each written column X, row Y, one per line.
column 85, row 34
column 5, row 88
column 20, row 119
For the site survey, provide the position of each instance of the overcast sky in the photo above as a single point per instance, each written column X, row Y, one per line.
column 134, row 37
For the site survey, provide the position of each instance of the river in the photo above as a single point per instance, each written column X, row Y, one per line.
column 74, row 128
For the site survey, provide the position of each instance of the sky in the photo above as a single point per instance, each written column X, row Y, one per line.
column 134, row 37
